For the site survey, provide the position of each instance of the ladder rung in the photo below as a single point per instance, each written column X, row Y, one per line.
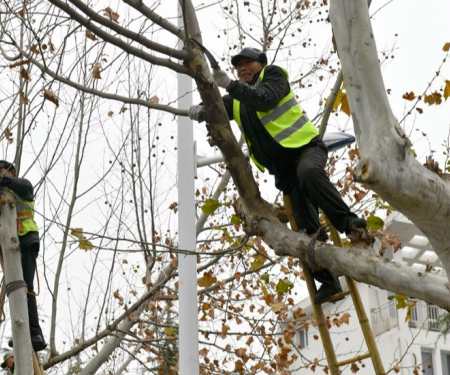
column 353, row 359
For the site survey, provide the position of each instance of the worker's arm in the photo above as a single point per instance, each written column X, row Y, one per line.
column 265, row 95
column 21, row 186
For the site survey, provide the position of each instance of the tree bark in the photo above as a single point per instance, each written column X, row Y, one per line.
column 14, row 276
column 387, row 166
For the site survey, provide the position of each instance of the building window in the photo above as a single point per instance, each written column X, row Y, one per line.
column 303, row 338
column 445, row 358
column 427, row 362
column 427, row 316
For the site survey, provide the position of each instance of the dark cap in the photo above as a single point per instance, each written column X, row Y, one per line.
column 7, row 165
column 250, row 53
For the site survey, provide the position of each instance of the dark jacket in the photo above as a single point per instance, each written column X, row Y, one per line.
column 24, row 190
column 263, row 96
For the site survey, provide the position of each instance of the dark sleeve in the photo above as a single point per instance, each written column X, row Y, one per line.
column 228, row 103
column 21, row 186
column 265, row 95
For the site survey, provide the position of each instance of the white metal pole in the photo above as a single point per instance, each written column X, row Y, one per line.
column 187, row 264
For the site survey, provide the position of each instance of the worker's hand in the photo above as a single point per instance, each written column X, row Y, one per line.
column 197, row 113
column 221, row 78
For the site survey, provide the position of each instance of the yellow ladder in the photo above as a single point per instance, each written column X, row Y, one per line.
column 37, row 366
column 333, row 363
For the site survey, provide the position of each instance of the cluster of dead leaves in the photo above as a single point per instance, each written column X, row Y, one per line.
column 435, row 97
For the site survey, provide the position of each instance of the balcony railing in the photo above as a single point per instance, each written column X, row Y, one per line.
column 384, row 318
column 426, row 316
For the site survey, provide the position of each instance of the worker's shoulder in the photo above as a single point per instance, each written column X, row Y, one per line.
column 275, row 70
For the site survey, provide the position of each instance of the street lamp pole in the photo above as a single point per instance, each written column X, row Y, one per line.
column 187, row 264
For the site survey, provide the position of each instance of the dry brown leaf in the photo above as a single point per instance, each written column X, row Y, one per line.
column 409, row 95
column 447, row 90
column 345, row 318
column 22, row 12
column 24, row 74
column 354, row 368
column 90, row 35
column 224, row 330
column 51, row 96
column 23, row 99
column 446, row 47
column 433, row 98
column 113, row 16
column 207, row 280
column 96, row 71
column 7, row 133
column 34, row 49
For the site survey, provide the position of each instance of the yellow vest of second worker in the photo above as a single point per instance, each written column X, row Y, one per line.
column 25, row 217
column 286, row 123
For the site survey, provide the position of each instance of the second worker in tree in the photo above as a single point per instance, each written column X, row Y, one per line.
column 28, row 233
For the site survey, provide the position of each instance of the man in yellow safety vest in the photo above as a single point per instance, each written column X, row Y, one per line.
column 28, row 233
column 281, row 139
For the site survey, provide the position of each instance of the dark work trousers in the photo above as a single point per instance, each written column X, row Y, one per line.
column 314, row 190
column 29, row 254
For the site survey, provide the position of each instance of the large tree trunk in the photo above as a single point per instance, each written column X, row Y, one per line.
column 385, row 157
column 387, row 166
column 14, row 282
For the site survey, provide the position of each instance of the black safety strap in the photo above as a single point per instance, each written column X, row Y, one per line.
column 14, row 285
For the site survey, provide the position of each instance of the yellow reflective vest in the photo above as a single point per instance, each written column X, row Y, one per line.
column 286, row 123
column 25, row 217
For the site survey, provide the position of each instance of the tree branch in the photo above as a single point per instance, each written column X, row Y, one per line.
column 124, row 318
column 117, row 41
column 124, row 99
column 150, row 14
column 360, row 264
column 181, row 55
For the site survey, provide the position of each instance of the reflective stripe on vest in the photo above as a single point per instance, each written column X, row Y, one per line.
column 25, row 217
column 286, row 123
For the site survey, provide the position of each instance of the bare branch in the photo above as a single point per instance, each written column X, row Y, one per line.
column 117, row 41
column 102, row 94
column 150, row 14
column 181, row 55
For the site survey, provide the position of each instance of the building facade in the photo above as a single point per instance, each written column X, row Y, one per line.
column 411, row 340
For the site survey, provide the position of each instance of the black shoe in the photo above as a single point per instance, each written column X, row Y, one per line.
column 356, row 224
column 37, row 341
column 322, row 235
column 357, row 231
column 326, row 291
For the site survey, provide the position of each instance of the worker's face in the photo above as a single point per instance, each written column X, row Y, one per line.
column 6, row 172
column 246, row 69
column 10, row 362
